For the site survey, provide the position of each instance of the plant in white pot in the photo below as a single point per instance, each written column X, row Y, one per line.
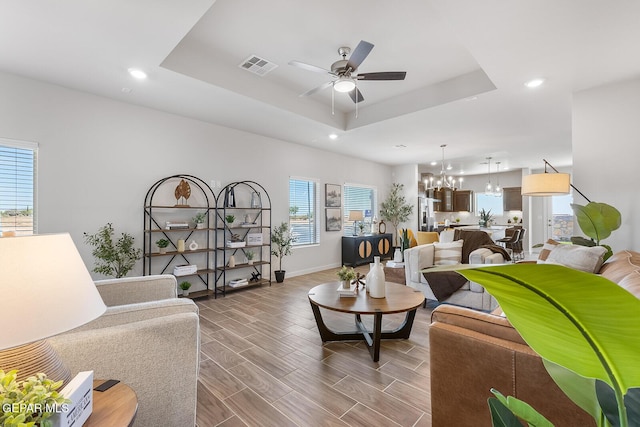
column 199, row 219
column 250, row 255
column 185, row 288
column 346, row 275
column 281, row 243
column 162, row 245
column 395, row 208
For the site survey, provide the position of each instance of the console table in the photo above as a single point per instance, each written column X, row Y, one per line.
column 357, row 250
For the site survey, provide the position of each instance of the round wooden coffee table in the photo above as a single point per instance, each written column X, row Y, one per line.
column 398, row 299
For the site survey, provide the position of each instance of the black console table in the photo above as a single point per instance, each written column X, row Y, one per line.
column 357, row 250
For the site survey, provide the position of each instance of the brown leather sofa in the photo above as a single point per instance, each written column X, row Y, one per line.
column 472, row 352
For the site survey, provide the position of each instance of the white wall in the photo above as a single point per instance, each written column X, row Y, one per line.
column 98, row 157
column 606, row 148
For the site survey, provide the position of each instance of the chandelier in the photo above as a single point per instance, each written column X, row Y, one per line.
column 489, row 189
column 438, row 182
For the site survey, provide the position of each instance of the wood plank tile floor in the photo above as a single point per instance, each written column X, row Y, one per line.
column 263, row 364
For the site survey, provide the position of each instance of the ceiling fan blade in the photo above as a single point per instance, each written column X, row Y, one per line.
column 385, row 75
column 310, row 67
column 317, row 89
column 356, row 93
column 359, row 54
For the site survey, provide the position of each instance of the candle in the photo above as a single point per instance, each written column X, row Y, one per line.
column 181, row 245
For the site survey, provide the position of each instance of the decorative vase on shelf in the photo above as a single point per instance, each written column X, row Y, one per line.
column 376, row 279
column 193, row 246
column 256, row 202
column 181, row 245
column 397, row 255
column 232, row 261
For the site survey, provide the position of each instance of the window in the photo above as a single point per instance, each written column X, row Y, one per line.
column 303, row 212
column 489, row 202
column 358, row 198
column 17, row 186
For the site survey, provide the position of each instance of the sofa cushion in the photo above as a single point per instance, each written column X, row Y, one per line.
column 631, row 282
column 620, row 264
column 546, row 250
column 448, row 253
column 422, row 257
column 583, row 258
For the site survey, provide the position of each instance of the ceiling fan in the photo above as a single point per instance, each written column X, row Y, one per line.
column 344, row 72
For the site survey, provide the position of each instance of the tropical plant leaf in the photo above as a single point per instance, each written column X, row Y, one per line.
column 522, row 410
column 581, row 390
column 597, row 220
column 501, row 416
column 607, row 400
column 559, row 313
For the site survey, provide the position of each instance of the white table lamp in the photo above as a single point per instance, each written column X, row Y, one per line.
column 46, row 290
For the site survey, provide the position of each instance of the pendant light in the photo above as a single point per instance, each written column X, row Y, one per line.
column 498, row 189
column 488, row 189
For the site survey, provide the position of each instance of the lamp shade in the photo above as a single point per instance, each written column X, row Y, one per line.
column 355, row 216
column 545, row 184
column 46, row 288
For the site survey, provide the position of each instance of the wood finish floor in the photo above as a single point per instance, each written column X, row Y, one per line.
column 263, row 364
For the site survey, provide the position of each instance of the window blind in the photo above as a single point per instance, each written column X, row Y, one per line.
column 303, row 218
column 18, row 161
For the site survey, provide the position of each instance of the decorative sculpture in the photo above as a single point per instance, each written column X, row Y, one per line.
column 183, row 191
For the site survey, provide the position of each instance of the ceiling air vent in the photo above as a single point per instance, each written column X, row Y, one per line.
column 257, row 65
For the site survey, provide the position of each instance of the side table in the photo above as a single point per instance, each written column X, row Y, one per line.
column 115, row 407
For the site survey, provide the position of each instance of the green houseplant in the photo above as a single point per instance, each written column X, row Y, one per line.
column 113, row 258
column 597, row 221
column 162, row 245
column 185, row 287
column 199, row 219
column 250, row 255
column 485, row 218
column 21, row 401
column 589, row 345
column 230, row 219
column 395, row 208
column 346, row 275
column 281, row 243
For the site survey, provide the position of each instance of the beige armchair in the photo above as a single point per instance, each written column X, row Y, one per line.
column 149, row 339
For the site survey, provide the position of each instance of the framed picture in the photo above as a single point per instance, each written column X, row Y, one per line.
column 333, row 195
column 333, row 219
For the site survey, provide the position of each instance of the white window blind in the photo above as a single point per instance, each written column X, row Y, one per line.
column 18, row 165
column 303, row 211
column 358, row 198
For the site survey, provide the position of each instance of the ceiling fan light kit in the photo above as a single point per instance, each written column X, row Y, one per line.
column 344, row 72
column 344, row 84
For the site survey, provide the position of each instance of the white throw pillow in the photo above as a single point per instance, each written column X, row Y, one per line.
column 583, row 258
column 447, row 253
column 446, row 236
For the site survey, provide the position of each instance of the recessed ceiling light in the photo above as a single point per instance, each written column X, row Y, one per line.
column 400, row 146
column 126, row 90
column 137, row 73
column 534, row 83
column 333, row 136
column 449, row 167
column 433, row 163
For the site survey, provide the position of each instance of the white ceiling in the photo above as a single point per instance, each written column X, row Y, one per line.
column 466, row 62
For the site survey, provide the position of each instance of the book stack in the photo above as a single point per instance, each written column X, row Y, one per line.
column 238, row 282
column 184, row 270
column 176, row 225
column 240, row 244
column 347, row 293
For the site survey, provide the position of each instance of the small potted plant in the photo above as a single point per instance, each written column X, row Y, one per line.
column 230, row 219
column 162, row 245
column 199, row 219
column 185, row 288
column 515, row 219
column 24, row 399
column 250, row 255
column 346, row 275
column 485, row 218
